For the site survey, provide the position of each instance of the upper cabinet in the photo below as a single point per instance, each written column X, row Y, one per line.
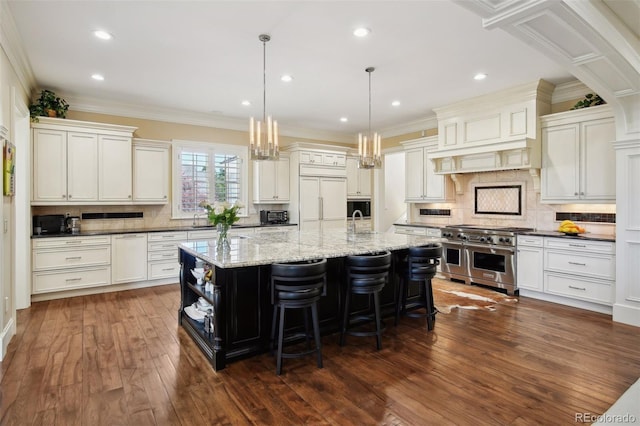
column 422, row 184
column 80, row 162
column 150, row 172
column 271, row 181
column 358, row 180
column 578, row 159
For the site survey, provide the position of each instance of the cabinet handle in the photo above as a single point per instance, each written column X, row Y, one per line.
column 167, row 255
column 130, row 236
column 578, row 288
column 576, row 263
column 73, row 258
column 73, row 279
column 167, row 269
column 168, row 236
column 168, row 246
column 74, row 242
column 577, row 245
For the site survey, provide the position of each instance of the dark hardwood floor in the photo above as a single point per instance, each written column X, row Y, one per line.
column 120, row 358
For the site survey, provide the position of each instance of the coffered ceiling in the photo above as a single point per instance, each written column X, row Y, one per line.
column 198, row 60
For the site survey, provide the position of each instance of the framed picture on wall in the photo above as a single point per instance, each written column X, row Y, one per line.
column 8, row 168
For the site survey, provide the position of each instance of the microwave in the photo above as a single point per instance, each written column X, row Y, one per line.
column 48, row 224
column 363, row 205
column 274, row 217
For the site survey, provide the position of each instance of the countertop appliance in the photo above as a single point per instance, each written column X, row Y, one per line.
column 72, row 224
column 363, row 205
column 274, row 217
column 481, row 254
column 48, row 224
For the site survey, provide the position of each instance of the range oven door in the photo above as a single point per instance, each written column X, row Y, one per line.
column 492, row 266
column 454, row 261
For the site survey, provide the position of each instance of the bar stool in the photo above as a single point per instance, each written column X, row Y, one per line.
column 366, row 274
column 420, row 265
column 297, row 285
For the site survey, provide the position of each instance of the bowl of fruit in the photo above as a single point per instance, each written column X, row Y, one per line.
column 567, row 227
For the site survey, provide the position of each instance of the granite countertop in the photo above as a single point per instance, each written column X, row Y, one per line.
column 585, row 236
column 290, row 246
column 166, row 229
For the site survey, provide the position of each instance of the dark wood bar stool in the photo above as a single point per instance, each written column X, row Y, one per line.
column 297, row 285
column 420, row 265
column 366, row 274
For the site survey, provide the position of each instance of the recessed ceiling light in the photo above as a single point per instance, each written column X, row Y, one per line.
column 246, row 103
column 480, row 76
column 395, row 103
column 344, row 119
column 103, row 35
column 361, row 32
column 98, row 77
column 286, row 78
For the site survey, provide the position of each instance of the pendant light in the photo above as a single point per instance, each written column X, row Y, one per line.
column 263, row 135
column 369, row 146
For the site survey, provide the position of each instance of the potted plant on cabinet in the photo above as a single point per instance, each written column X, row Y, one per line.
column 48, row 105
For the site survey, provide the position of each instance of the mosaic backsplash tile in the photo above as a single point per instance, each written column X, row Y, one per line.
column 586, row 217
column 435, row 212
column 503, row 199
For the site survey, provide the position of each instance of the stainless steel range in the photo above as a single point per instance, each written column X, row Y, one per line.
column 481, row 255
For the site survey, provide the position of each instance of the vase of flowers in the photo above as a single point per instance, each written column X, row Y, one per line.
column 222, row 215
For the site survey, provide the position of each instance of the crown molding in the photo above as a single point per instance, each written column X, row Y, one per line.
column 12, row 45
column 430, row 122
column 569, row 91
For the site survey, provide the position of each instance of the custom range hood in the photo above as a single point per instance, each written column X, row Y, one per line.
column 500, row 131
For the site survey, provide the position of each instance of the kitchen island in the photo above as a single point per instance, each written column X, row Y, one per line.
column 240, row 294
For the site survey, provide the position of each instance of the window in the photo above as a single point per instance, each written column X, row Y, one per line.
column 207, row 171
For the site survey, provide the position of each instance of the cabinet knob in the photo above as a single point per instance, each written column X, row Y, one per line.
column 582, row 193
column 69, row 195
column 164, row 196
column 575, row 193
column 129, row 196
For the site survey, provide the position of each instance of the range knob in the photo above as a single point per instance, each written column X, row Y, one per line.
column 506, row 240
column 465, row 238
column 501, row 239
column 482, row 239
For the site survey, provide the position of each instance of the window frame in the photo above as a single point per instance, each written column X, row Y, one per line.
column 178, row 146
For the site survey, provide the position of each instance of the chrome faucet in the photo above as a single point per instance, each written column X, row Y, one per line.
column 195, row 218
column 352, row 226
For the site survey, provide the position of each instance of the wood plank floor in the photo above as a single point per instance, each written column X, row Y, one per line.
column 120, row 358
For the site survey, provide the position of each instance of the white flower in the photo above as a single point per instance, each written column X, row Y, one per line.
column 218, row 209
column 238, row 204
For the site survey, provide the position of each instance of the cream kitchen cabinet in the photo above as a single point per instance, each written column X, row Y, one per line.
column 162, row 254
column 150, row 172
column 578, row 159
column 319, row 158
column 271, row 181
column 76, row 162
column 422, row 184
column 358, row 180
column 69, row 263
column 323, row 203
column 128, row 258
column 529, row 262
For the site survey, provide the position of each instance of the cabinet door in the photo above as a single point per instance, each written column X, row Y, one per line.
column 114, row 168
column 264, row 181
column 309, row 202
column 128, row 258
column 434, row 185
column 414, row 169
column 334, row 160
column 49, row 165
column 529, row 268
column 598, row 171
column 309, row 157
column 150, row 174
column 560, row 163
column 334, row 199
column 82, row 166
column 353, row 187
column 282, row 179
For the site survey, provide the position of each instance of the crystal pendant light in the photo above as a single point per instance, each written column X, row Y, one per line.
column 369, row 146
column 263, row 135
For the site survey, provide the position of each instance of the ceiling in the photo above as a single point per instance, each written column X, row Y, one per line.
column 203, row 58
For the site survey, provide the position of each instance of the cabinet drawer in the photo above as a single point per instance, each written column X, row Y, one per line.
column 580, row 245
column 163, row 255
column 56, row 259
column 585, row 264
column 579, row 288
column 157, row 270
column 418, row 230
column 202, row 235
column 163, row 245
column 167, row 236
column 44, row 282
column 528, row 240
column 71, row 241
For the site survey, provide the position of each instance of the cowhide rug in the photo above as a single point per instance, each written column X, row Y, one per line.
column 448, row 295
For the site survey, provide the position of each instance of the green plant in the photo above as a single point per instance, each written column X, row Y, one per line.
column 222, row 212
column 48, row 105
column 590, row 99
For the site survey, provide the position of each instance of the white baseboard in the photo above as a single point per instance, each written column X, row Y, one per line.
column 5, row 337
column 624, row 411
column 603, row 309
column 104, row 289
column 626, row 314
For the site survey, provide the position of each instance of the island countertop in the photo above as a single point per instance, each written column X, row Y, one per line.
column 291, row 246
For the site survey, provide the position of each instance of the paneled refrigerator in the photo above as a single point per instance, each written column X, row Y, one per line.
column 323, row 202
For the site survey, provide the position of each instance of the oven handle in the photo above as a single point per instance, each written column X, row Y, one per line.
column 491, row 249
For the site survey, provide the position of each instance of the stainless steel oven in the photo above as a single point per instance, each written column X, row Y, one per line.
column 480, row 255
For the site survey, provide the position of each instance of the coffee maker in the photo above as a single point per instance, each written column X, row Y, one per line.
column 72, row 224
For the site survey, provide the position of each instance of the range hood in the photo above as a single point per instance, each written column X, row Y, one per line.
column 493, row 132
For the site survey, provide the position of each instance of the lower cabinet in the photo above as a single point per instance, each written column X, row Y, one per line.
column 162, row 254
column 128, row 258
column 529, row 262
column 69, row 263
